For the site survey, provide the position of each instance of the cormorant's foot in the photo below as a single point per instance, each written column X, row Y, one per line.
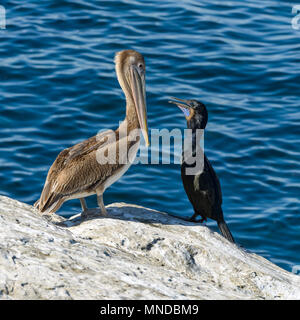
column 193, row 219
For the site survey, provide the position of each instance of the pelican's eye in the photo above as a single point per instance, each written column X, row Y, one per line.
column 141, row 66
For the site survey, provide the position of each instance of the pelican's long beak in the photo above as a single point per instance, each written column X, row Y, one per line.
column 139, row 96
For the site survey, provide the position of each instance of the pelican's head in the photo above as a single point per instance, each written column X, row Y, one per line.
column 195, row 112
column 131, row 69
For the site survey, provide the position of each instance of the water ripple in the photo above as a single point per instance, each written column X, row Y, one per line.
column 58, row 87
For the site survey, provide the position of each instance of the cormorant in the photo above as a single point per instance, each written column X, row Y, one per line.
column 199, row 179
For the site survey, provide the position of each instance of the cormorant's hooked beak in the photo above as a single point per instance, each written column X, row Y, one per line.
column 184, row 105
column 139, row 96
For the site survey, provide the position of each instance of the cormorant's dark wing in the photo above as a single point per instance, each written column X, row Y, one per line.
column 215, row 183
column 203, row 190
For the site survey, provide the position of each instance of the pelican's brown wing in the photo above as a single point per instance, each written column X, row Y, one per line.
column 74, row 171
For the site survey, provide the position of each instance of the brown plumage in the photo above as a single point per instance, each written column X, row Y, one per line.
column 79, row 171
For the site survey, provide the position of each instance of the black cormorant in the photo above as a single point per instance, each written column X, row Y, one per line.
column 199, row 179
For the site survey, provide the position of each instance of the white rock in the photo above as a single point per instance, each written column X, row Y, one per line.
column 137, row 253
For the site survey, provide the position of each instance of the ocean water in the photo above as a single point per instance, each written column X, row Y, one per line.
column 241, row 58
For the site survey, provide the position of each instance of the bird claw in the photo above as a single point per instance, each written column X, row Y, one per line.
column 103, row 213
column 92, row 212
column 193, row 219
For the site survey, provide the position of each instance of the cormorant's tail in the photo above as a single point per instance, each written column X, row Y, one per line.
column 225, row 231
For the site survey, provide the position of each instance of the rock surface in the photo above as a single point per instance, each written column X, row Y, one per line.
column 136, row 253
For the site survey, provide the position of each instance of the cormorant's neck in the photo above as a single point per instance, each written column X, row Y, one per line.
column 197, row 122
column 197, row 125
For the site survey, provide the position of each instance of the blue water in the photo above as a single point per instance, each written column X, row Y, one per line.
column 241, row 58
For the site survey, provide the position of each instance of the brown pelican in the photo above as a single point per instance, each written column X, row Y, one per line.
column 80, row 171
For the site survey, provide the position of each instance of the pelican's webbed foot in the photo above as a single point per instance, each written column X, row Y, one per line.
column 86, row 212
column 90, row 212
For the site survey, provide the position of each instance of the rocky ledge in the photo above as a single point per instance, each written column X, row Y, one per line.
column 136, row 253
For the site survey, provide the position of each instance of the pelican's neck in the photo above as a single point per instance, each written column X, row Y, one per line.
column 130, row 126
column 131, row 119
column 131, row 116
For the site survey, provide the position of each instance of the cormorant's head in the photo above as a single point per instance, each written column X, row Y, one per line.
column 195, row 112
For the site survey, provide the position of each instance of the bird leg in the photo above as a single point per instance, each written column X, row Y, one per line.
column 83, row 204
column 85, row 210
column 194, row 216
column 101, row 205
